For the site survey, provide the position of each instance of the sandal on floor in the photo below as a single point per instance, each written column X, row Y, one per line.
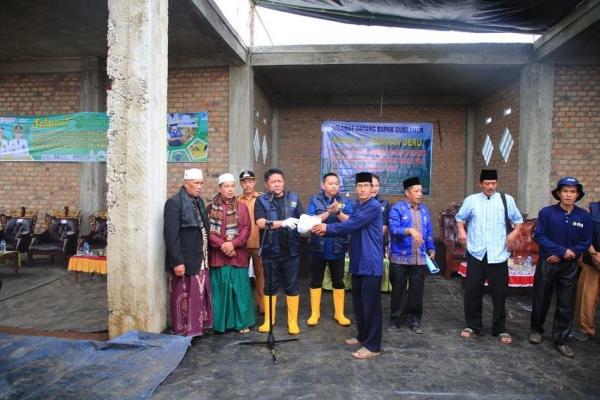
column 505, row 338
column 244, row 331
column 468, row 332
column 352, row 342
column 364, row 354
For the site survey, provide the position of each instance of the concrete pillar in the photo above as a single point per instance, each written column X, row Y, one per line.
column 92, row 176
column 241, row 118
column 469, row 149
column 535, row 137
column 275, row 133
column 137, row 164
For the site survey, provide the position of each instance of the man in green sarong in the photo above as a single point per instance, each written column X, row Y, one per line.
column 233, row 305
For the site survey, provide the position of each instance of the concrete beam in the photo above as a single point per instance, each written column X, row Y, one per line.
column 137, row 164
column 481, row 54
column 241, row 118
column 92, row 175
column 535, row 137
column 344, row 99
column 580, row 19
column 187, row 62
column 45, row 66
column 223, row 32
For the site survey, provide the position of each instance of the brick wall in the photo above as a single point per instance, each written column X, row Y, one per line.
column 263, row 118
column 576, row 128
column 493, row 106
column 49, row 186
column 300, row 146
column 40, row 186
column 205, row 89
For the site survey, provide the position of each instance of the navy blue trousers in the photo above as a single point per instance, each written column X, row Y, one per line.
column 366, row 300
column 282, row 269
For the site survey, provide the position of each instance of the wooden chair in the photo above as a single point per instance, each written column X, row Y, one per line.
column 455, row 253
column 17, row 229
column 59, row 238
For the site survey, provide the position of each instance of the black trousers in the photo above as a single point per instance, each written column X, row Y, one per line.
column 407, row 303
column 317, row 271
column 281, row 268
column 366, row 301
column 497, row 277
column 563, row 277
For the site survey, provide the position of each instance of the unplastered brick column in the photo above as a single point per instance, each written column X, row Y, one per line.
column 136, row 167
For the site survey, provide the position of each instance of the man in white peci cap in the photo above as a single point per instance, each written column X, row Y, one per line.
column 186, row 228
column 228, row 259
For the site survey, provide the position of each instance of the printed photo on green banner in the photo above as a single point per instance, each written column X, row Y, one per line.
column 187, row 137
column 79, row 137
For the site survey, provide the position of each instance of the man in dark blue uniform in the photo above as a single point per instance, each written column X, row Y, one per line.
column 365, row 227
column 276, row 213
column 564, row 232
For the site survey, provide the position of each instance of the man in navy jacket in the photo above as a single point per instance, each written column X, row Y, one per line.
column 365, row 226
column 564, row 232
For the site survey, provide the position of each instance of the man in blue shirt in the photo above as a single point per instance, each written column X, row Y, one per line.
column 411, row 242
column 489, row 215
column 331, row 207
column 564, row 232
column 366, row 265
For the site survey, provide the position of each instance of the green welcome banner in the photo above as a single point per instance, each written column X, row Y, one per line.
column 81, row 137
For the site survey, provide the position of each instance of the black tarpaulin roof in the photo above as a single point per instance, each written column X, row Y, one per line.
column 521, row 16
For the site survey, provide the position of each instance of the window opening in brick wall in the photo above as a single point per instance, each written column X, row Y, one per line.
column 506, row 144
column 487, row 149
column 256, row 144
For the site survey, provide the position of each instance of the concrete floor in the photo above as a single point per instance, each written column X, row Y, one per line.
column 47, row 297
column 437, row 364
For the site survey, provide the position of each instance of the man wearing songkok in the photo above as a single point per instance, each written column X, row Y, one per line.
column 385, row 211
column 229, row 230
column 411, row 242
column 248, row 197
column 277, row 213
column 186, row 237
column 489, row 216
column 563, row 232
column 588, row 286
column 366, row 265
column 330, row 207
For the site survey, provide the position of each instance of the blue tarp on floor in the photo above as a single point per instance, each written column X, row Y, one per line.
column 130, row 366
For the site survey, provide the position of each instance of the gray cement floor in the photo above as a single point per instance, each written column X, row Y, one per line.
column 438, row 364
column 47, row 297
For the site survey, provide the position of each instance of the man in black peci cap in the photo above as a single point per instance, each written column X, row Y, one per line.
column 365, row 227
column 563, row 232
column 489, row 216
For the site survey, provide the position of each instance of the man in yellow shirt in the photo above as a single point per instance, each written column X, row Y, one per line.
column 248, row 197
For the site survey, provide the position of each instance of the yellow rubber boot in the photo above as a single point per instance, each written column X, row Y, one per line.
column 293, row 303
column 264, row 328
column 338, row 307
column 315, row 306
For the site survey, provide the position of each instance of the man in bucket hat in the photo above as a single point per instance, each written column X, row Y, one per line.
column 564, row 232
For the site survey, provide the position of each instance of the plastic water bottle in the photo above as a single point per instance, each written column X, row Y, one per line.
column 86, row 249
column 2, row 246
